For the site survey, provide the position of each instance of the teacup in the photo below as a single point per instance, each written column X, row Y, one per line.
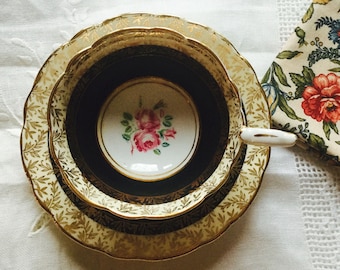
column 146, row 124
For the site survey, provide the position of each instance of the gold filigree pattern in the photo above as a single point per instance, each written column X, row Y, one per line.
column 35, row 150
column 152, row 227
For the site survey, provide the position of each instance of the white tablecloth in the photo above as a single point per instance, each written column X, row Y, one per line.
column 294, row 222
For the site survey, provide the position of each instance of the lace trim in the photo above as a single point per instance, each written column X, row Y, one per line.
column 320, row 202
column 290, row 14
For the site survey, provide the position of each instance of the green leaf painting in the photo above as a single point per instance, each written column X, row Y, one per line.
column 157, row 151
column 127, row 116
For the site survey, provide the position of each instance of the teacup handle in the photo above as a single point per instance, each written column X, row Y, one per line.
column 267, row 137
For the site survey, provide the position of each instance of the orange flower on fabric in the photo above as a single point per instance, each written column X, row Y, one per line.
column 322, row 99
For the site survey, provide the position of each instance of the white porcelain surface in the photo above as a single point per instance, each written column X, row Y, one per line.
column 148, row 129
column 270, row 137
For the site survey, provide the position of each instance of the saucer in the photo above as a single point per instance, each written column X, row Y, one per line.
column 73, row 222
column 154, row 226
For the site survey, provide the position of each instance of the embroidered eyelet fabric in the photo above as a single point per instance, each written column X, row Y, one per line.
column 290, row 14
column 294, row 221
column 320, row 208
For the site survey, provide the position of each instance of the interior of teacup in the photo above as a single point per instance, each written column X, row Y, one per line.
column 143, row 99
column 149, row 129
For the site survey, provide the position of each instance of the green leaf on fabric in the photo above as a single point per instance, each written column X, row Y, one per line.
column 266, row 76
column 309, row 75
column 302, row 81
column 317, row 142
column 334, row 127
column 327, row 129
column 287, row 54
column 297, row 79
column 323, row 53
column 324, row 21
column 335, row 69
column 280, row 74
column 308, row 15
column 299, row 82
column 335, row 61
column 287, row 109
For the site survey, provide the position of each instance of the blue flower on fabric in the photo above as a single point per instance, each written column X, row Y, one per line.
column 334, row 33
column 272, row 96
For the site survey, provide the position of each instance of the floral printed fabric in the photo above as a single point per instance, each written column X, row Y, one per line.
column 303, row 83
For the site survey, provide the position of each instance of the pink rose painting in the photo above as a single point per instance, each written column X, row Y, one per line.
column 145, row 140
column 147, row 120
column 148, row 129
